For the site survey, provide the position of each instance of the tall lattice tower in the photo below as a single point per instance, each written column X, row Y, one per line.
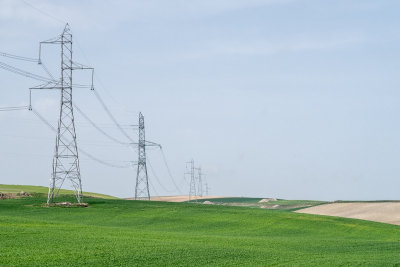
column 199, row 182
column 142, row 191
column 192, row 186
column 66, row 158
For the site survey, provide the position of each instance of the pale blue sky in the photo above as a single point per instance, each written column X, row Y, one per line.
column 294, row 99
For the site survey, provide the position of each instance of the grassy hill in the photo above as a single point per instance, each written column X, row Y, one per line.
column 279, row 204
column 129, row 233
column 32, row 189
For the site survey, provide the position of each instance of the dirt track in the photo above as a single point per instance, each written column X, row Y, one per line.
column 386, row 212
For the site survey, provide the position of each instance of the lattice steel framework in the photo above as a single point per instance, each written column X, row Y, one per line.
column 192, row 186
column 142, row 191
column 199, row 182
column 66, row 159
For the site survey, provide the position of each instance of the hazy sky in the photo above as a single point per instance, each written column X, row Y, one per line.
column 295, row 99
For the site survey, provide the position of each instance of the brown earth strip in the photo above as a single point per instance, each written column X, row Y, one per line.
column 385, row 212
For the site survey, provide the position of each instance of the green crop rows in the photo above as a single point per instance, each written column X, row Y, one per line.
column 279, row 204
column 129, row 233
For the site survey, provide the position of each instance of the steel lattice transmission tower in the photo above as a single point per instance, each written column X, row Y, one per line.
column 66, row 158
column 142, row 191
column 192, row 186
column 199, row 182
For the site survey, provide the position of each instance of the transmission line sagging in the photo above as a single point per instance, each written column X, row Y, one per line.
column 169, row 171
column 84, row 152
column 18, row 71
column 14, row 108
column 47, row 71
column 18, row 57
column 156, row 176
column 103, row 104
column 99, row 128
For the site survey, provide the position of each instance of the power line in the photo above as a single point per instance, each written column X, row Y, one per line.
column 99, row 81
column 51, row 127
column 154, row 174
column 47, row 71
column 98, row 128
column 13, row 108
column 19, row 57
column 44, row 13
column 102, row 102
column 23, row 72
column 102, row 161
column 169, row 170
column 111, row 116
column 154, row 189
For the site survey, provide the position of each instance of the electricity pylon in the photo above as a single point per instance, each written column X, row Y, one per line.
column 192, row 186
column 66, row 158
column 207, row 189
column 142, row 191
column 199, row 182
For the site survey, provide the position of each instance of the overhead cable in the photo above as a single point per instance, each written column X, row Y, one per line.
column 13, row 108
column 23, row 72
column 169, row 170
column 18, row 57
column 47, row 71
column 44, row 13
column 98, row 128
column 112, row 117
column 79, row 149
column 158, row 180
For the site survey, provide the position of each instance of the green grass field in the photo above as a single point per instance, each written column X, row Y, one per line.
column 132, row 233
column 279, row 204
column 15, row 189
column 244, row 200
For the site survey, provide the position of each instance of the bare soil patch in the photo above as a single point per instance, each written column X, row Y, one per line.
column 385, row 212
column 7, row 196
column 264, row 200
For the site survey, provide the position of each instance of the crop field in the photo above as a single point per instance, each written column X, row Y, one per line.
column 278, row 204
column 16, row 189
column 117, row 232
column 245, row 200
column 378, row 211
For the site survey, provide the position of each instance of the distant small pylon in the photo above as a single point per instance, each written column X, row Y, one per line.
column 199, row 182
column 192, row 186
